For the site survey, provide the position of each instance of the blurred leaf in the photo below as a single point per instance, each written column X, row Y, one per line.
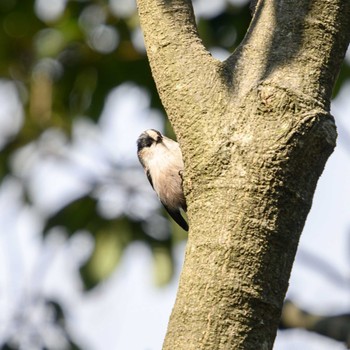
column 9, row 347
column 60, row 318
column 163, row 265
column 59, row 314
column 109, row 244
column 344, row 75
column 225, row 30
column 78, row 215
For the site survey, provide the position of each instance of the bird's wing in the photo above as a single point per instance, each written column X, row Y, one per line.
column 176, row 215
column 148, row 174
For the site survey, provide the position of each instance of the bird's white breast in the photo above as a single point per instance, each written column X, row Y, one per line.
column 164, row 167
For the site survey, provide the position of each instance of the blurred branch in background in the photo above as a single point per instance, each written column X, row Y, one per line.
column 324, row 268
column 336, row 327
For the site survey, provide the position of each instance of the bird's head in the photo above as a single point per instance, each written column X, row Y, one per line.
column 146, row 145
column 149, row 138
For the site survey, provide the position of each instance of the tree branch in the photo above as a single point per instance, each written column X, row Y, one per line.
column 178, row 60
column 298, row 45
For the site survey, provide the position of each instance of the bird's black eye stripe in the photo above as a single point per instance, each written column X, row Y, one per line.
column 143, row 142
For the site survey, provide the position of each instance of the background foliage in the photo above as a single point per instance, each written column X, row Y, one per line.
column 59, row 62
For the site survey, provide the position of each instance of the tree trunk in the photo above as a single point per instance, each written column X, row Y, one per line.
column 255, row 133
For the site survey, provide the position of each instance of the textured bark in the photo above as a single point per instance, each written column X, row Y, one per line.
column 255, row 133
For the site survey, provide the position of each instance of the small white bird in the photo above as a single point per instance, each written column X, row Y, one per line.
column 161, row 159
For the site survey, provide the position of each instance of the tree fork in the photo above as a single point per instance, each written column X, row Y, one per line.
column 255, row 133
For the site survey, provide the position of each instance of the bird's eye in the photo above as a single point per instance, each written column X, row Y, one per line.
column 148, row 142
column 159, row 139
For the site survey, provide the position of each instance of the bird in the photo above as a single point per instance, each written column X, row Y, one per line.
column 161, row 159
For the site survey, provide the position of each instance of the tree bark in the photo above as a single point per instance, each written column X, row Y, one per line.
column 255, row 132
